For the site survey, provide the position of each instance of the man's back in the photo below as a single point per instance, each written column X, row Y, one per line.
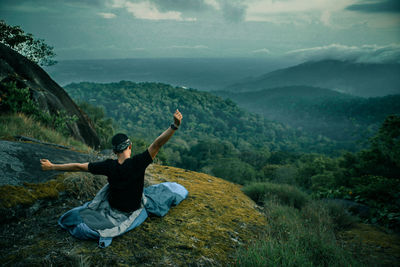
column 126, row 180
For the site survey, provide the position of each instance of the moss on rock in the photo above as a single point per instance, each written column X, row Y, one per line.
column 205, row 229
column 11, row 196
column 372, row 245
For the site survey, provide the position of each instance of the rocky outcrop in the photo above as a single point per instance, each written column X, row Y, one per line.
column 46, row 92
column 20, row 162
column 204, row 230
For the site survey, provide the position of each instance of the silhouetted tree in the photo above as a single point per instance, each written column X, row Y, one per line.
column 25, row 44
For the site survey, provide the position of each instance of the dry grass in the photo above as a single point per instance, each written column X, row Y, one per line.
column 19, row 124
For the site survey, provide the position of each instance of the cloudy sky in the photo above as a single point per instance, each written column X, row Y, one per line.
column 364, row 30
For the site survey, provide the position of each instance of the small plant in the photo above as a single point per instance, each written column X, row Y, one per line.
column 341, row 218
column 19, row 100
column 282, row 193
column 13, row 99
column 296, row 238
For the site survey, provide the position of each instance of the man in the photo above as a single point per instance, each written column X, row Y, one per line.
column 125, row 174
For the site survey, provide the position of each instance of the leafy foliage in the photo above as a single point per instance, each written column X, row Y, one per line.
column 219, row 138
column 281, row 193
column 15, row 124
column 295, row 237
column 215, row 132
column 35, row 50
column 104, row 126
column 347, row 119
column 14, row 99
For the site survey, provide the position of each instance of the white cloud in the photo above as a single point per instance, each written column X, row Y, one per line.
column 188, row 47
column 365, row 53
column 149, row 11
column 292, row 11
column 118, row 3
column 107, row 15
column 325, row 17
column 213, row 3
column 261, row 51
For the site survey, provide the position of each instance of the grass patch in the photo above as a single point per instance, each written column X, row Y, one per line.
column 282, row 193
column 296, row 238
column 20, row 124
column 82, row 185
column 342, row 219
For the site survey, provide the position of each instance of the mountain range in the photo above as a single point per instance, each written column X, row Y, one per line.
column 319, row 111
column 358, row 79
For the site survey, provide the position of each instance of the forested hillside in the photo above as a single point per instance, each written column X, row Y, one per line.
column 145, row 109
column 219, row 138
column 214, row 130
column 341, row 117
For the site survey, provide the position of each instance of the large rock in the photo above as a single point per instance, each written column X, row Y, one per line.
column 20, row 162
column 204, row 230
column 46, row 92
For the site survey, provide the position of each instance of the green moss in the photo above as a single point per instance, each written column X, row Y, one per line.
column 11, row 196
column 214, row 219
column 27, row 194
column 77, row 185
column 203, row 230
column 372, row 244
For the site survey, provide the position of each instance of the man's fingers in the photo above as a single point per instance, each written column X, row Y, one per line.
column 178, row 115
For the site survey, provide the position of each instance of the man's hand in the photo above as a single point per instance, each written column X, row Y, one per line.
column 46, row 164
column 177, row 118
column 165, row 136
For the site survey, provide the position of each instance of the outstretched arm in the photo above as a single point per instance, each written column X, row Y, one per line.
column 165, row 136
column 48, row 166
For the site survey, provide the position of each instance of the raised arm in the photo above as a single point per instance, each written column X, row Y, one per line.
column 165, row 136
column 48, row 166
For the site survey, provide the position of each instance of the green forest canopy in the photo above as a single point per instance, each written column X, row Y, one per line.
column 145, row 110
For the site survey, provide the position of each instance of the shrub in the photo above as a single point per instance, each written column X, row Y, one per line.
column 19, row 100
column 284, row 174
column 83, row 185
column 20, row 124
column 322, row 180
column 104, row 126
column 341, row 218
column 296, row 238
column 13, row 99
column 282, row 193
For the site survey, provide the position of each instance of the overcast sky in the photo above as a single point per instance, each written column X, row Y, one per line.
column 364, row 30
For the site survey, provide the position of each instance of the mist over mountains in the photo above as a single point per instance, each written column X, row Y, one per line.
column 326, row 97
column 319, row 111
column 201, row 73
column 358, row 79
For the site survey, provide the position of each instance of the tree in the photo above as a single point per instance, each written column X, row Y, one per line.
column 387, row 140
column 102, row 124
column 25, row 44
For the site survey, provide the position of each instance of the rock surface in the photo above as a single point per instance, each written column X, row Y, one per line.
column 46, row 92
column 203, row 230
column 20, row 162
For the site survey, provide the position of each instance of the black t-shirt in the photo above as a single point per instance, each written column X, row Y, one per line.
column 126, row 180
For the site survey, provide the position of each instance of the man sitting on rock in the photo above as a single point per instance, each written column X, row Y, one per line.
column 125, row 175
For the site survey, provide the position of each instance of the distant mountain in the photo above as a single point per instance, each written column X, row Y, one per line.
column 359, row 79
column 201, row 73
column 319, row 111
